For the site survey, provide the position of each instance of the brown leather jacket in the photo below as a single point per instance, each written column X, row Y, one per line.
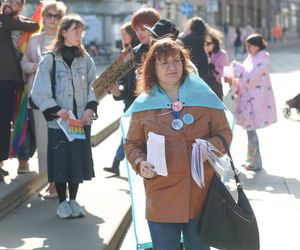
column 176, row 197
column 9, row 65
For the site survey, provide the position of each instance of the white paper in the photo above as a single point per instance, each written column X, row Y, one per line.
column 65, row 128
column 204, row 147
column 197, row 166
column 156, row 153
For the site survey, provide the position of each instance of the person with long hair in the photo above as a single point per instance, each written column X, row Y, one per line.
column 52, row 12
column 178, row 108
column 125, row 88
column 217, row 57
column 69, row 162
column 128, row 35
column 255, row 98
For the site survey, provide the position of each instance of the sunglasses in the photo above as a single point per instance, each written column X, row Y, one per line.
column 50, row 15
column 208, row 43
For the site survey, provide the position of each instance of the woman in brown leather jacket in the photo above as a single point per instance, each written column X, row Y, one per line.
column 175, row 108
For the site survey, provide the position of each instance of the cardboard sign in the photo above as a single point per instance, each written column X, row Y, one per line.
column 118, row 68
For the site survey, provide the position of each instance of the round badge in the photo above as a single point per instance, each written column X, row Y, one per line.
column 177, row 124
column 177, row 106
column 188, row 119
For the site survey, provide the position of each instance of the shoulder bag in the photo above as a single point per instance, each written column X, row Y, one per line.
column 30, row 101
column 226, row 224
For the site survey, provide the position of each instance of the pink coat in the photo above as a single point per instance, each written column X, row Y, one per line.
column 255, row 103
column 34, row 52
column 219, row 60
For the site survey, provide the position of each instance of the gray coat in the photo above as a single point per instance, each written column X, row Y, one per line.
column 75, row 81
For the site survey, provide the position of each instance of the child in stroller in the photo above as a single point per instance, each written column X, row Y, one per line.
column 292, row 103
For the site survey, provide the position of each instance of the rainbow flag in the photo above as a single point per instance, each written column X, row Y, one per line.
column 37, row 17
column 20, row 123
column 21, row 98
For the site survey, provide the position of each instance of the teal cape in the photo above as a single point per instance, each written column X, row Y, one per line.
column 193, row 92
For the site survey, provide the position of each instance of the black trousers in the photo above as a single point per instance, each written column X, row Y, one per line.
column 7, row 96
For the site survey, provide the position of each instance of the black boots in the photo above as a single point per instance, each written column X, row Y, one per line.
column 115, row 168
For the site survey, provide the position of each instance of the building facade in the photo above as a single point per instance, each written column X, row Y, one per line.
column 104, row 17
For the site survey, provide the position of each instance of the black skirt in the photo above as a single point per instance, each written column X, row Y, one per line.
column 69, row 161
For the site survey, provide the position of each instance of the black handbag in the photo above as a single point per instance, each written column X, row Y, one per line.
column 225, row 223
column 30, row 101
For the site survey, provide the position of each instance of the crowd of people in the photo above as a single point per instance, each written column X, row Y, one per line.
column 175, row 91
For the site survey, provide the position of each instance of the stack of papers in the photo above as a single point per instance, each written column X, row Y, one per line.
column 156, row 153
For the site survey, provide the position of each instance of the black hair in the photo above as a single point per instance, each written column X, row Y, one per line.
column 257, row 40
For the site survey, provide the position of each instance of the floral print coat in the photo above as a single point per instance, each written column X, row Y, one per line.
column 255, row 103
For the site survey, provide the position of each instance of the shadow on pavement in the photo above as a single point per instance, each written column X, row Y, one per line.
column 57, row 233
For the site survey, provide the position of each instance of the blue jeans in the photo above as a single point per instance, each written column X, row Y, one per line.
column 166, row 236
column 28, row 147
column 120, row 155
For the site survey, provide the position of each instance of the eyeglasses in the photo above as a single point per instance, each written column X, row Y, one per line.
column 50, row 15
column 12, row 2
column 208, row 43
column 174, row 63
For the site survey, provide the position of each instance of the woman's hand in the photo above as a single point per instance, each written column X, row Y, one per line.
column 229, row 80
column 145, row 169
column 115, row 90
column 87, row 117
column 64, row 114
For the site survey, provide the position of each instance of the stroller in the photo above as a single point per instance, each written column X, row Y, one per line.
column 290, row 104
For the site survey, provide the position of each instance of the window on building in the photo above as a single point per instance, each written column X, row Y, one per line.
column 229, row 14
column 258, row 18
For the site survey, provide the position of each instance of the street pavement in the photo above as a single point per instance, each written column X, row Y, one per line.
column 274, row 192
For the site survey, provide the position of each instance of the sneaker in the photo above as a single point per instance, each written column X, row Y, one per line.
column 23, row 167
column 77, row 209
column 64, row 210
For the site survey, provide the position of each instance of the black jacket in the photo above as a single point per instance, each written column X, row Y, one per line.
column 128, row 82
column 9, row 63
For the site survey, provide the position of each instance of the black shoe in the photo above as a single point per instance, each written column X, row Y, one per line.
column 4, row 172
column 112, row 170
column 1, row 178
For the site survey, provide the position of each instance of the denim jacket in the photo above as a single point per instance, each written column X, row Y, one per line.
column 75, row 81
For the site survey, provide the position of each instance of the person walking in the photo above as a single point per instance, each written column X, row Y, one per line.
column 172, row 106
column 237, row 43
column 217, row 57
column 193, row 39
column 69, row 162
column 125, row 88
column 255, row 98
column 10, row 73
column 52, row 12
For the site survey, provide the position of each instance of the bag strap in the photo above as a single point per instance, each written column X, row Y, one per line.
column 53, row 73
column 237, row 180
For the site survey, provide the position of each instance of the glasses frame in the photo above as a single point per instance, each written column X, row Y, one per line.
column 175, row 63
column 49, row 15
